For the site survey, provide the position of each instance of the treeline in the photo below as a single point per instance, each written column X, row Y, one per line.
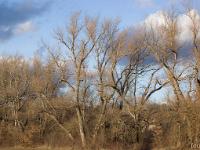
column 93, row 89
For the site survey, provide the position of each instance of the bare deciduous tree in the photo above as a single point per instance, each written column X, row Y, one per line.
column 166, row 49
column 193, row 15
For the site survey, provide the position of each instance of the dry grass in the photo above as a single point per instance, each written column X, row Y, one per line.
column 37, row 148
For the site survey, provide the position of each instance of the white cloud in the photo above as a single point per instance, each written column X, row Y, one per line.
column 24, row 27
column 144, row 3
column 155, row 19
column 184, row 23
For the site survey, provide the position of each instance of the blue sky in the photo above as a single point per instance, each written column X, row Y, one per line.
column 24, row 23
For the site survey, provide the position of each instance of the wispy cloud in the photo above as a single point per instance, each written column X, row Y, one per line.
column 15, row 16
column 144, row 3
column 24, row 27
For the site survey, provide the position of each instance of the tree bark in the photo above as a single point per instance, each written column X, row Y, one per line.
column 98, row 125
column 175, row 84
column 81, row 127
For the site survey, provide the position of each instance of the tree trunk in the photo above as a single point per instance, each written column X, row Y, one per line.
column 197, row 83
column 61, row 126
column 98, row 125
column 81, row 127
column 175, row 85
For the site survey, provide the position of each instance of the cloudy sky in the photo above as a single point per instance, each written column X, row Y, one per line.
column 24, row 23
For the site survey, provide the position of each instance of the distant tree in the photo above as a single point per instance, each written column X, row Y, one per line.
column 14, row 86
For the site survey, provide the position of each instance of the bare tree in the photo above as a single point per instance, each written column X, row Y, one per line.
column 194, row 17
column 103, row 53
column 15, row 85
column 80, row 40
column 166, row 49
column 128, row 65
